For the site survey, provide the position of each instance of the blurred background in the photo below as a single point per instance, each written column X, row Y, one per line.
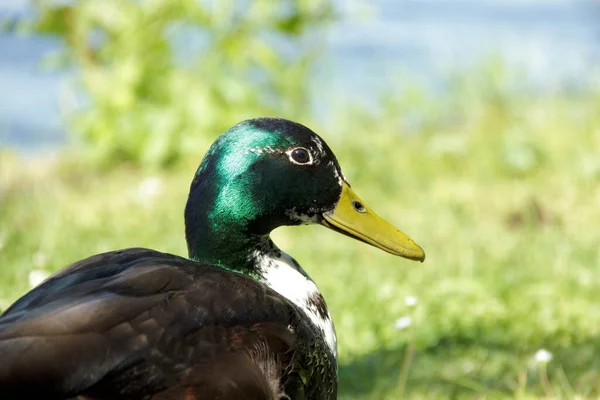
column 474, row 125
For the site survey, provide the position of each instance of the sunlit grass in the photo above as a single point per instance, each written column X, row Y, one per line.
column 504, row 198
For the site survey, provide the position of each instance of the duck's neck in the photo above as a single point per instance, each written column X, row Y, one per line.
column 226, row 245
column 228, row 248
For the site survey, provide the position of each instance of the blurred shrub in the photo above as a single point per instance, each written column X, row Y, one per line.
column 159, row 78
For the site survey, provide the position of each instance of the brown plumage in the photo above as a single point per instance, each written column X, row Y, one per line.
column 139, row 324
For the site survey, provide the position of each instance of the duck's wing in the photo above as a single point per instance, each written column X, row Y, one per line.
column 140, row 324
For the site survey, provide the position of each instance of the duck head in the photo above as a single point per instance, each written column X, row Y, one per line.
column 268, row 172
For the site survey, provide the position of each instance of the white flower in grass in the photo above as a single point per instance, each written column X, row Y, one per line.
column 543, row 356
column 411, row 301
column 403, row 322
column 149, row 188
column 37, row 276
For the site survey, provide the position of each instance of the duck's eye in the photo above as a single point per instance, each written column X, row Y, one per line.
column 300, row 155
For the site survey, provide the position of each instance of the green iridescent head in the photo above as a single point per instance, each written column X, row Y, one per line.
column 268, row 172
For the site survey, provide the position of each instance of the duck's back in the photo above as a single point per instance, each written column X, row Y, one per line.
column 139, row 324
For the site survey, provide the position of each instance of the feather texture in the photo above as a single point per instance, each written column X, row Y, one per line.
column 139, row 324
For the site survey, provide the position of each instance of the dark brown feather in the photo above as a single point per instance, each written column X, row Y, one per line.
column 139, row 324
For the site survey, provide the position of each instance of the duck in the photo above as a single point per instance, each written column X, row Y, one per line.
column 236, row 319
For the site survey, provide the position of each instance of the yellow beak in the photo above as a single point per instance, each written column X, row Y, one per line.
column 352, row 217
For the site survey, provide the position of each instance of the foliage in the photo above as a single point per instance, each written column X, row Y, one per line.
column 500, row 187
column 159, row 77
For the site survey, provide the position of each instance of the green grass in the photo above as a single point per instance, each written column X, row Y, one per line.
column 502, row 193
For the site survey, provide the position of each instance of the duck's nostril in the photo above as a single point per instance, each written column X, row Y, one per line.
column 358, row 207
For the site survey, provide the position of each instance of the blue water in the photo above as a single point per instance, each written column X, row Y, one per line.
column 555, row 41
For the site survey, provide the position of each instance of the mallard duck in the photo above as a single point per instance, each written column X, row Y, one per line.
column 238, row 319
